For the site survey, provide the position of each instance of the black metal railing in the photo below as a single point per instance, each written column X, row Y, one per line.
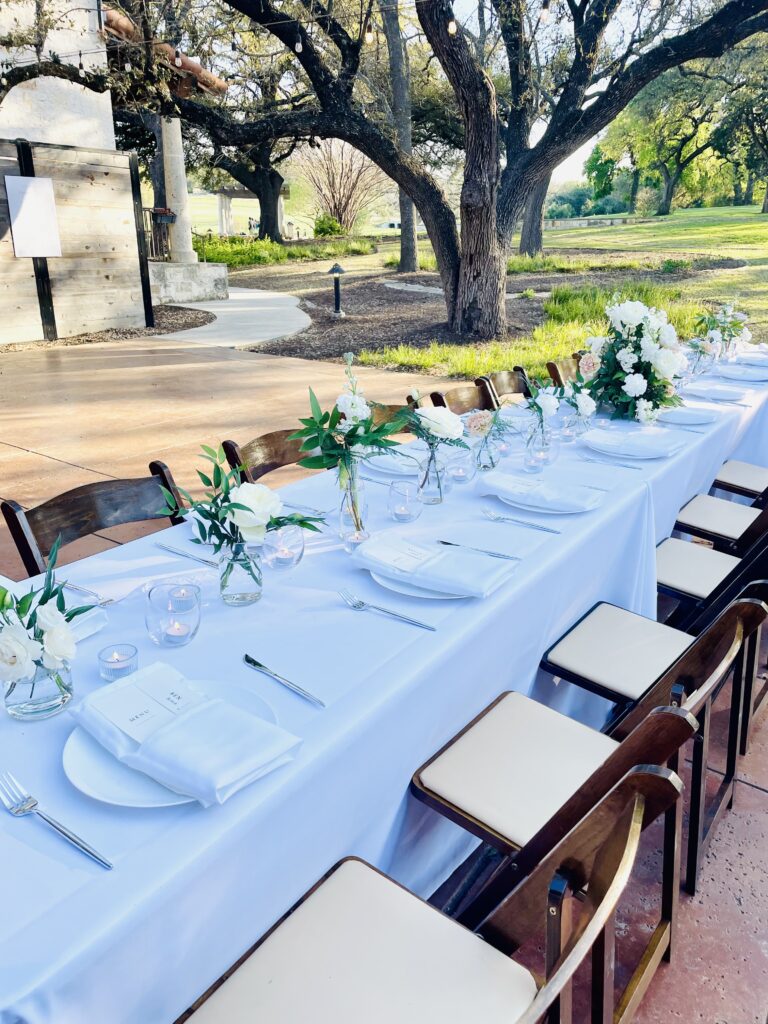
column 156, row 233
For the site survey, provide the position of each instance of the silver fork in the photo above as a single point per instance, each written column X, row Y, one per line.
column 19, row 803
column 497, row 517
column 359, row 605
column 605, row 462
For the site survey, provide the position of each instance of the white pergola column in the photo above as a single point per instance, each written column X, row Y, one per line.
column 174, row 169
column 225, row 214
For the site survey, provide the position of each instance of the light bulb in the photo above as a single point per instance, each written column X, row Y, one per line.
column 298, row 47
column 453, row 28
column 544, row 15
column 128, row 66
column 177, row 59
column 80, row 68
column 368, row 33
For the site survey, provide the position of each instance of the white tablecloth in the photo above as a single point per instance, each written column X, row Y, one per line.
column 193, row 888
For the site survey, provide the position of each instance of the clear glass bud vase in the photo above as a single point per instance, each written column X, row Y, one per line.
column 45, row 694
column 434, row 480
column 487, row 454
column 240, row 579
column 353, row 508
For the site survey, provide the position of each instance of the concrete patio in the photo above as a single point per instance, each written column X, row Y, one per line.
column 73, row 415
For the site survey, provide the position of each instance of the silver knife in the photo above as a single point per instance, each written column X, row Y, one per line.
column 258, row 667
column 187, row 554
column 480, row 551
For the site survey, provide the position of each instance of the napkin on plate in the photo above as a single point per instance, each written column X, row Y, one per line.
column 445, row 570
column 752, row 356
column 553, row 495
column 159, row 723
column 715, row 392
column 732, row 371
column 685, row 414
column 636, row 443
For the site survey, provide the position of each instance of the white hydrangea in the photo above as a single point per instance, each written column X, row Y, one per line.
column 354, row 408
column 635, row 385
column 648, row 348
column 626, row 359
column 645, row 411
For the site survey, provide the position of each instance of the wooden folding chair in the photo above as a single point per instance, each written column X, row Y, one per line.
column 509, row 385
column 264, row 454
column 86, row 510
column 637, row 662
column 359, row 940
column 563, row 371
column 746, row 479
column 729, row 527
column 467, row 398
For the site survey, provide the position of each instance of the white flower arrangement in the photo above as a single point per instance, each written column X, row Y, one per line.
column 724, row 329
column 438, row 424
column 632, row 368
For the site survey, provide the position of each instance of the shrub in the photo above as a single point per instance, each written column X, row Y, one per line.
column 241, row 251
column 560, row 211
column 608, row 205
column 647, row 202
column 327, row 226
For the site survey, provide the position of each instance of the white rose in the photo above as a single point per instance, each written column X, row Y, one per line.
column 668, row 336
column 58, row 646
column 627, row 314
column 49, row 616
column 645, row 412
column 596, row 345
column 18, row 654
column 441, row 423
column 261, row 503
column 626, row 358
column 354, row 408
column 666, row 363
column 635, row 385
column 585, row 405
column 547, row 403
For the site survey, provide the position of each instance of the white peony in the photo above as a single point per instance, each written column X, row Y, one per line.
column 547, row 403
column 596, row 345
column 635, row 385
column 585, row 405
column 667, row 363
column 354, row 408
column 627, row 314
column 626, row 359
column 18, row 653
column 58, row 646
column 648, row 348
column 261, row 504
column 645, row 411
column 49, row 616
column 668, row 337
column 441, row 423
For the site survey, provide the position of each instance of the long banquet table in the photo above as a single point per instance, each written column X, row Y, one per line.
column 192, row 889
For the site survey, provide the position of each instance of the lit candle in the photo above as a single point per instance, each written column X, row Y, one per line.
column 181, row 599
column 459, row 474
column 117, row 662
column 284, row 556
column 177, row 633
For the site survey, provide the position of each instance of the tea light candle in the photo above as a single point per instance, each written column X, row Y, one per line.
column 117, row 661
column 459, row 474
column 182, row 598
column 284, row 556
column 177, row 633
column 402, row 514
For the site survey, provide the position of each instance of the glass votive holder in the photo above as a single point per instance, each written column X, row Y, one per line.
column 284, row 548
column 172, row 613
column 116, row 661
column 461, row 467
column 404, row 503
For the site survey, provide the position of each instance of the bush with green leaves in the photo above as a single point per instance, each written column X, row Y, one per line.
column 327, row 226
column 647, row 202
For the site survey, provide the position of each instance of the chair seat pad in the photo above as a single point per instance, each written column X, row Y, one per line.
column 516, row 766
column 744, row 475
column 619, row 650
column 717, row 515
column 362, row 950
column 692, row 569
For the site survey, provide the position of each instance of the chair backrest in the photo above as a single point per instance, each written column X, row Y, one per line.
column 383, row 413
column 86, row 510
column 596, row 857
column 507, row 384
column 466, row 398
column 702, row 666
column 264, row 454
column 563, row 371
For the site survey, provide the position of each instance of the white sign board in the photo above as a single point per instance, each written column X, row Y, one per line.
column 32, row 206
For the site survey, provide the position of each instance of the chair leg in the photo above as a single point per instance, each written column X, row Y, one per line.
column 557, row 932
column 696, row 807
column 750, row 674
column 603, row 970
column 670, row 870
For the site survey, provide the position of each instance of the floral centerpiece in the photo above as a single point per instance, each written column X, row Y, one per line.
column 637, row 362
column 36, row 647
column 487, row 428
column 540, row 444
column 234, row 518
column 342, row 439
column 435, row 426
column 723, row 329
column 576, row 395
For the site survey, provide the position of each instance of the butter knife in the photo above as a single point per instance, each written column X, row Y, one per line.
column 480, row 551
column 258, row 667
column 187, row 554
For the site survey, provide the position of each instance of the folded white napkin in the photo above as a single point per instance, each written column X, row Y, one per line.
column 751, row 356
column 446, row 570
column 636, row 443
column 733, row 371
column 159, row 723
column 687, row 415
column 714, row 392
column 553, row 495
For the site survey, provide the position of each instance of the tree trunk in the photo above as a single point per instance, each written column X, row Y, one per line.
column 156, row 169
column 531, row 232
column 268, row 192
column 634, row 189
column 765, row 200
column 668, row 191
column 401, row 113
column 738, row 192
column 749, row 192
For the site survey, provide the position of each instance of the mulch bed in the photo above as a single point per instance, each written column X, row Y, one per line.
column 168, row 319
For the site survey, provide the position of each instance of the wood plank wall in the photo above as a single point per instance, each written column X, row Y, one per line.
column 96, row 283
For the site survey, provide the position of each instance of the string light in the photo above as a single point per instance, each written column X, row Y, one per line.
column 298, row 46
column 544, row 15
column 453, row 28
column 368, row 33
column 80, row 67
column 234, row 43
column 3, row 70
column 177, row 58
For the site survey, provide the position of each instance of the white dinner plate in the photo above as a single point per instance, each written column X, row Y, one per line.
column 409, row 590
column 744, row 374
column 536, row 509
column 95, row 772
column 685, row 414
column 409, row 468
column 636, row 457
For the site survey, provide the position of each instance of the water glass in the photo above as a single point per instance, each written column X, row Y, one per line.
column 283, row 548
column 462, row 466
column 172, row 613
column 404, row 503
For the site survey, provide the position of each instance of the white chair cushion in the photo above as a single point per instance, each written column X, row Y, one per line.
column 517, row 766
column 620, row 650
column 692, row 568
column 362, row 950
column 744, row 475
column 717, row 515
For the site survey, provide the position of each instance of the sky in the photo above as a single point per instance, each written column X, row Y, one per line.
column 572, row 169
